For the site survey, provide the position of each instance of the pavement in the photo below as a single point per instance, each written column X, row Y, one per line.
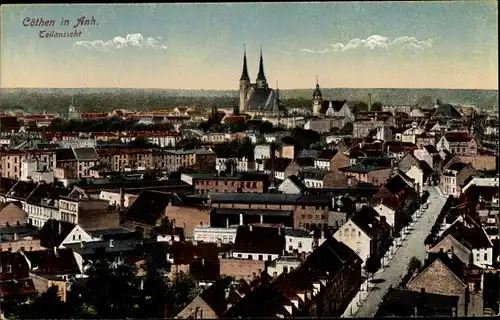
column 412, row 245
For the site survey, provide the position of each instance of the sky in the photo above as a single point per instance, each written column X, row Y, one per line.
column 200, row 46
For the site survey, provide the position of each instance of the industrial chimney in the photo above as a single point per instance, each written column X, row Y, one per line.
column 369, row 102
column 273, row 161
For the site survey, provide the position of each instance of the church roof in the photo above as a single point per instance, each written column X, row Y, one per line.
column 336, row 105
column 317, row 92
column 244, row 73
column 261, row 75
column 262, row 99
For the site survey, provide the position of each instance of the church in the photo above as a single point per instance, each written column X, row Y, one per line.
column 257, row 99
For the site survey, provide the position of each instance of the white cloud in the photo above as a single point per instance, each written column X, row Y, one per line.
column 376, row 42
column 134, row 40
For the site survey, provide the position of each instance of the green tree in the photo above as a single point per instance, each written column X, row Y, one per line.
column 376, row 106
column 361, row 107
column 414, row 265
column 181, row 290
column 46, row 306
column 111, row 290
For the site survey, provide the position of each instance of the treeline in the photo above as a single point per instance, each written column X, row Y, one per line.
column 112, row 292
column 103, row 125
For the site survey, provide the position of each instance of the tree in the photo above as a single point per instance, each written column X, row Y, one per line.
column 46, row 306
column 111, row 290
column 376, row 106
column 360, row 107
column 181, row 290
column 414, row 265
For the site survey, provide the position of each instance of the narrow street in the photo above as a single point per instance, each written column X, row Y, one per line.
column 413, row 245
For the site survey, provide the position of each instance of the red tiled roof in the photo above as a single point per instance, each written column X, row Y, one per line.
column 458, row 136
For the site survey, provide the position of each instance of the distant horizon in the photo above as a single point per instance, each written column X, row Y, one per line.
column 281, row 89
column 200, row 46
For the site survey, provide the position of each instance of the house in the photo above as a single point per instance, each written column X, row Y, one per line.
column 305, row 210
column 283, row 265
column 453, row 177
column 239, row 182
column 330, row 160
column 370, row 173
column 300, row 241
column 79, row 234
column 214, row 234
column 322, row 286
column 462, row 143
column 416, row 169
column 396, row 200
column 292, row 185
column 445, row 111
column 408, row 304
column 425, row 139
column 281, row 167
column 212, row 302
column 53, row 233
column 12, row 214
column 471, row 244
column 366, row 233
column 258, row 243
column 429, row 154
column 79, row 208
column 443, row 274
column 146, row 212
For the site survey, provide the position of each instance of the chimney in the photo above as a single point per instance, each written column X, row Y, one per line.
column 81, row 244
column 273, row 159
column 251, row 228
column 60, row 227
column 227, row 223
column 55, row 252
column 122, row 199
column 383, row 219
column 369, row 102
column 111, row 244
column 16, row 236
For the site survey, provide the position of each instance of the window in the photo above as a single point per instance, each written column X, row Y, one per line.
column 9, row 267
column 269, row 258
column 79, row 237
column 239, row 255
column 261, row 257
column 250, row 257
column 300, row 244
column 74, row 237
column 285, row 269
column 478, row 256
column 353, row 232
column 486, row 256
column 359, row 233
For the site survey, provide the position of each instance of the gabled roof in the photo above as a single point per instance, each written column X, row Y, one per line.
column 472, row 238
column 367, row 219
column 446, row 111
column 85, row 154
column 148, row 208
column 280, row 164
column 54, row 232
column 259, row 240
column 327, row 154
column 54, row 263
column 297, row 182
column 65, row 154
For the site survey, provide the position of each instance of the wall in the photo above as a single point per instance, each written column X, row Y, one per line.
column 43, row 284
column 352, row 236
column 28, row 245
column 479, row 162
column 241, row 269
column 188, row 217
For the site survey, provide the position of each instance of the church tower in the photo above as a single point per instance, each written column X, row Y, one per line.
column 261, row 78
column 244, row 83
column 317, row 99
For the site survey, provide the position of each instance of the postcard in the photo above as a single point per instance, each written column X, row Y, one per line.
column 249, row 160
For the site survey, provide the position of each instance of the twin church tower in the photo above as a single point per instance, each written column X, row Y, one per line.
column 257, row 99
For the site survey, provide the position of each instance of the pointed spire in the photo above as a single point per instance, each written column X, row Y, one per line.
column 317, row 82
column 277, row 85
column 244, row 73
column 261, row 75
